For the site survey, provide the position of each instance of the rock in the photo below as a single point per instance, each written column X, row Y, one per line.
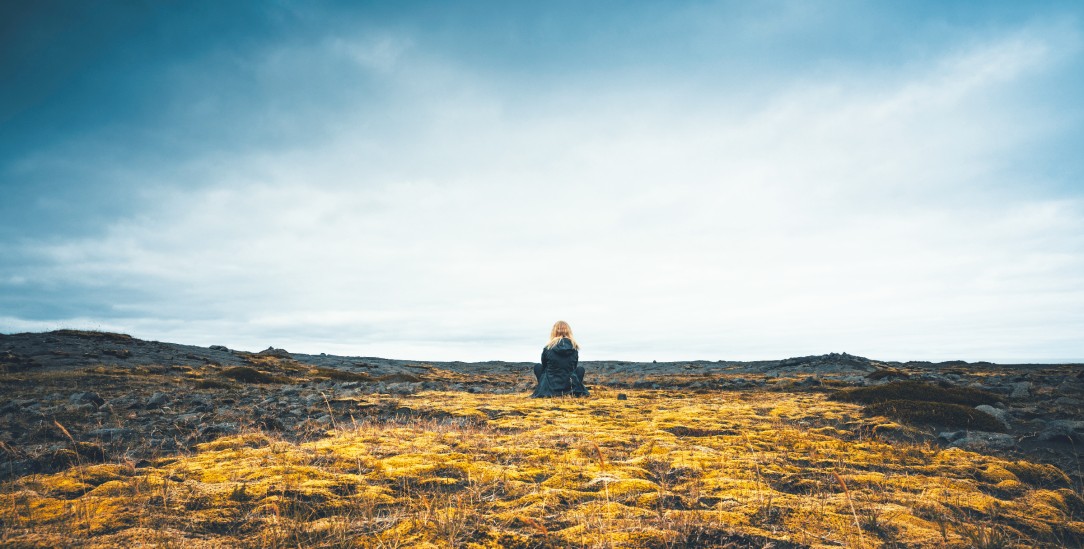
column 219, row 348
column 157, row 400
column 1068, row 401
column 1063, row 430
column 270, row 422
column 19, row 404
column 119, row 353
column 403, row 388
column 11, row 362
column 86, row 397
column 622, row 396
column 1021, row 389
column 112, row 433
column 951, row 436
column 1001, row 415
column 277, row 353
column 189, row 419
column 218, row 429
column 984, row 440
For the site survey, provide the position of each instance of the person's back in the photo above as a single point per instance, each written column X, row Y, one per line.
column 559, row 373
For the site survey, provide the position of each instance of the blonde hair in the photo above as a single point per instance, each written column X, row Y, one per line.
column 561, row 330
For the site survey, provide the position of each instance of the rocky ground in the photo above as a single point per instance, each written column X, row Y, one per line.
column 71, row 397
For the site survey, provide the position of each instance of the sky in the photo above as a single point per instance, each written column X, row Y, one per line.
column 444, row 180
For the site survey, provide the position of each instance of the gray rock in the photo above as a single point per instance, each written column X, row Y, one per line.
column 1071, row 386
column 219, row 348
column 1068, row 401
column 1063, row 430
column 112, row 433
column 1021, row 389
column 278, row 353
column 218, row 429
column 189, row 419
column 86, row 397
column 951, row 436
column 404, row 388
column 1001, row 415
column 983, row 440
column 83, row 408
column 157, row 400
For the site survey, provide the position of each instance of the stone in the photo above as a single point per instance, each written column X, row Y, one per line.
column 86, row 397
column 951, row 436
column 219, row 348
column 1068, row 401
column 1001, row 415
column 189, row 419
column 112, row 433
column 277, row 353
column 403, row 388
column 1021, row 389
column 218, row 429
column 984, row 440
column 1063, row 430
column 157, row 400
column 622, row 396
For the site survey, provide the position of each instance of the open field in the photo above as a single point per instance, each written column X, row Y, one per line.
column 780, row 464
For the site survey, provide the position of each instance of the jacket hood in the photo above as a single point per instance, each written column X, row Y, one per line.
column 563, row 347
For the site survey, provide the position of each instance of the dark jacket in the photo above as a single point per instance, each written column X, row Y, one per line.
column 560, row 373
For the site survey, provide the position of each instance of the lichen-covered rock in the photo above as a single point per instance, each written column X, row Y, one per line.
column 1000, row 414
column 983, row 440
column 1063, row 430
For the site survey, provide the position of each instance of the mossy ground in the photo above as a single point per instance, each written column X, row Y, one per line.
column 660, row 469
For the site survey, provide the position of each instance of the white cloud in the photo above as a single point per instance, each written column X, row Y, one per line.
column 855, row 214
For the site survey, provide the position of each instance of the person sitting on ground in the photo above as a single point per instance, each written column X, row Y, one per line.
column 560, row 372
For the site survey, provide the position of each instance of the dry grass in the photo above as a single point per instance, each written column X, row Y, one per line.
column 661, row 469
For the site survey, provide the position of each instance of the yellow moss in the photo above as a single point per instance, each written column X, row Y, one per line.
column 238, row 442
column 994, row 473
column 1038, row 474
column 560, row 472
column 1011, row 486
column 113, row 488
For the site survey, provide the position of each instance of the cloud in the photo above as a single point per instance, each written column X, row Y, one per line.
column 866, row 212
